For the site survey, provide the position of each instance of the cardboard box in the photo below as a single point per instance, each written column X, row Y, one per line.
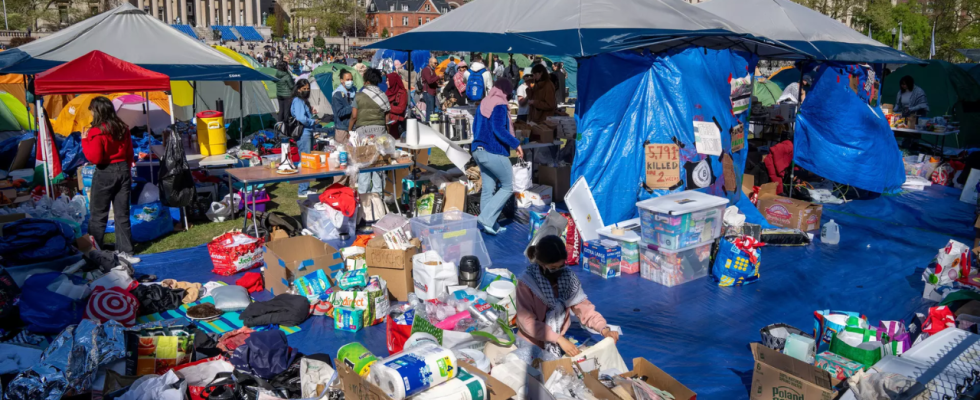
column 455, row 197
column 780, row 377
column 358, row 388
column 748, row 182
column 538, row 195
column 590, row 379
column 295, row 257
column 556, row 177
column 278, row 234
column 394, row 266
column 601, row 260
column 785, row 212
column 314, row 160
column 658, row 378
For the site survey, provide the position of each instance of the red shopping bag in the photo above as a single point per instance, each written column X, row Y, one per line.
column 234, row 252
column 397, row 335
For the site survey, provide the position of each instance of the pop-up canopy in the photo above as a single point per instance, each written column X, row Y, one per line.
column 806, row 30
column 98, row 72
column 581, row 28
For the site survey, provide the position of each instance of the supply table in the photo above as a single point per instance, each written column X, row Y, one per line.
column 263, row 174
column 942, row 145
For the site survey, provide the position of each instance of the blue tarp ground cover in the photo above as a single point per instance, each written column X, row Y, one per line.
column 698, row 332
column 627, row 99
column 841, row 138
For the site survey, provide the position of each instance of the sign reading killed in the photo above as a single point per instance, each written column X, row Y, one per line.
column 662, row 165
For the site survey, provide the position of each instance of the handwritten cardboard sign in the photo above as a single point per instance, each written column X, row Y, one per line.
column 662, row 165
column 738, row 138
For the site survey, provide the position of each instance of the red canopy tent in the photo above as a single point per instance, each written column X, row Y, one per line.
column 98, row 72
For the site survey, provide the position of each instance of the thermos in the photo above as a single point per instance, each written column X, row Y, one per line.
column 469, row 271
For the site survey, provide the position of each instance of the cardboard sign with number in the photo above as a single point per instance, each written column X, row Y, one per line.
column 662, row 165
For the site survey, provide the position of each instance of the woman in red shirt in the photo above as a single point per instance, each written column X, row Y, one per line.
column 108, row 145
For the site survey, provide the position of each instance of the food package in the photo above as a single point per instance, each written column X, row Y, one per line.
column 234, row 252
column 839, row 367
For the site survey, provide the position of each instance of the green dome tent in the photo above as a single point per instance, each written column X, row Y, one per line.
column 973, row 70
column 785, row 76
column 766, row 92
column 950, row 91
column 335, row 69
column 270, row 86
column 8, row 115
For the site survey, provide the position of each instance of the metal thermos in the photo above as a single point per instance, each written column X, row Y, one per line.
column 469, row 271
column 439, row 204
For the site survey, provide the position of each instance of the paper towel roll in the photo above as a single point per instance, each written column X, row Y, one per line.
column 410, row 372
column 412, row 131
column 465, row 387
column 456, row 154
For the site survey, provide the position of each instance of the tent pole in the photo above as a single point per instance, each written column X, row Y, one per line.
column 44, row 148
column 194, row 100
column 408, row 110
column 241, row 112
column 799, row 106
column 146, row 111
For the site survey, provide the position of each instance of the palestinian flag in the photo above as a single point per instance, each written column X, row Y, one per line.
column 47, row 157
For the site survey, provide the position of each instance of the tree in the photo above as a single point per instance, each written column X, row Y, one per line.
column 280, row 27
column 335, row 17
column 836, row 9
column 319, row 43
column 384, row 33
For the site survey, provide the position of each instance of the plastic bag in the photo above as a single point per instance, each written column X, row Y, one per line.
column 432, row 275
column 175, row 175
column 149, row 194
column 829, row 322
column 522, row 176
column 735, row 265
column 150, row 221
column 329, row 225
column 234, row 252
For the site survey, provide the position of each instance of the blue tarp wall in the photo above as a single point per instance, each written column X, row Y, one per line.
column 629, row 98
column 571, row 66
column 420, row 58
column 841, row 138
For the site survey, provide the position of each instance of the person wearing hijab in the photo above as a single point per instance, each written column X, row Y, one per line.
column 493, row 138
column 398, row 98
column 541, row 97
column 454, row 91
column 369, row 119
column 547, row 294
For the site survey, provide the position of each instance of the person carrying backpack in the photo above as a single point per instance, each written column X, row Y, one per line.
column 476, row 88
column 429, row 83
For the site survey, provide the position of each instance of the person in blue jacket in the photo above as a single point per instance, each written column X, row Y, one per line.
column 303, row 114
column 493, row 139
column 341, row 102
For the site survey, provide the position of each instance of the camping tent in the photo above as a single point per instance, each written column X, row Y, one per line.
column 335, row 69
column 950, row 91
column 973, row 70
column 98, row 72
column 811, row 32
column 134, row 110
column 127, row 33
column 580, row 29
column 785, row 76
column 75, row 116
column 13, row 114
column 766, row 92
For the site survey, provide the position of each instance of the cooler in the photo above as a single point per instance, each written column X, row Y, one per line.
column 680, row 220
column 674, row 267
column 629, row 244
column 211, row 133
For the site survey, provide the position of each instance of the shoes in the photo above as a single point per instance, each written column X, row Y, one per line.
column 494, row 230
column 307, row 194
column 131, row 259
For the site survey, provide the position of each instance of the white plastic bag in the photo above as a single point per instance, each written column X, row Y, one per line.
column 219, row 211
column 149, row 194
column 601, row 357
column 522, row 176
column 432, row 275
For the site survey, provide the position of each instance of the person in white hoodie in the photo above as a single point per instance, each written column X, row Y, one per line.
column 487, row 75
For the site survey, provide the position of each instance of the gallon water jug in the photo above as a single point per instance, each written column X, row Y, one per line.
column 830, row 233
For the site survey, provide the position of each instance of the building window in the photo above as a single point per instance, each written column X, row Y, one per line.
column 420, row 21
column 427, row 20
column 404, row 21
column 405, row 7
column 93, row 10
column 427, row 7
column 63, row 14
column 391, row 7
column 391, row 21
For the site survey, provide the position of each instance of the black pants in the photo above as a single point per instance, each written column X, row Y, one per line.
column 111, row 185
column 284, row 103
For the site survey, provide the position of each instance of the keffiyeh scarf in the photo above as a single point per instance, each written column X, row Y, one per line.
column 379, row 97
column 569, row 294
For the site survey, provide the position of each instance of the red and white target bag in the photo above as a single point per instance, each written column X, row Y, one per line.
column 234, row 252
column 115, row 304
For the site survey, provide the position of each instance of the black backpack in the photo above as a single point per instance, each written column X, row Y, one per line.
column 268, row 222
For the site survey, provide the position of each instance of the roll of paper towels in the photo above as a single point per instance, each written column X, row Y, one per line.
column 464, row 387
column 412, row 132
column 410, row 372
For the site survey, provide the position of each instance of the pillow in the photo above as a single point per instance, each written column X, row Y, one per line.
column 230, row 298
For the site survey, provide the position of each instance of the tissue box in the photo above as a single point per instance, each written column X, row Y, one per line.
column 800, row 347
column 348, row 319
column 602, row 257
column 839, row 367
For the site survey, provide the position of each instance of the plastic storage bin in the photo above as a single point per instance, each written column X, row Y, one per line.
column 322, row 224
column 682, row 219
column 629, row 244
column 256, row 201
column 452, row 234
column 674, row 267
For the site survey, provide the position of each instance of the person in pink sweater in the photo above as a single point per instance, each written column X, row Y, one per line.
column 546, row 292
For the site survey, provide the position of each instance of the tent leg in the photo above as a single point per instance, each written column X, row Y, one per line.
column 799, row 98
column 241, row 112
column 408, row 110
column 44, row 148
column 194, row 100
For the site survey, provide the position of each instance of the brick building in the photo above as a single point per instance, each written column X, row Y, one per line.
column 400, row 16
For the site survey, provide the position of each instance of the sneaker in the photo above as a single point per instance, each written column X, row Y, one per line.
column 131, row 259
column 307, row 194
column 494, row 230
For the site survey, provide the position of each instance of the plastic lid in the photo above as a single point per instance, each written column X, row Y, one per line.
column 209, row 114
column 682, row 202
column 631, row 227
column 501, row 288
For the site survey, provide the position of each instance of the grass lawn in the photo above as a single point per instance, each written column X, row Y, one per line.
column 283, row 200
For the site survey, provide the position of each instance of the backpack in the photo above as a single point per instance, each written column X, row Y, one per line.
column 476, row 89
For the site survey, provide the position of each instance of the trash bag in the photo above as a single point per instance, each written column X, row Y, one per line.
column 32, row 240
column 150, row 221
column 45, row 311
column 178, row 188
column 70, row 152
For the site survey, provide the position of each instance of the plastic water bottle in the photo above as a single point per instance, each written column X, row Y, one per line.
column 830, row 233
column 343, row 156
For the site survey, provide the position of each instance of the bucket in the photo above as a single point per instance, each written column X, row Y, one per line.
column 211, row 133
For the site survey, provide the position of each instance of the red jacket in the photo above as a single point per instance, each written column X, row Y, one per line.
column 101, row 148
column 778, row 161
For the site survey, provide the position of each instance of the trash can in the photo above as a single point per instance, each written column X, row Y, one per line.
column 211, row 133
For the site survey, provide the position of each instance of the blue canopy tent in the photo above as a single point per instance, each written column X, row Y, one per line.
column 856, row 148
column 127, row 33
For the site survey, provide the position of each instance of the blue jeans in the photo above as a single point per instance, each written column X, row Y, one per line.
column 369, row 182
column 304, row 145
column 430, row 105
column 498, row 185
